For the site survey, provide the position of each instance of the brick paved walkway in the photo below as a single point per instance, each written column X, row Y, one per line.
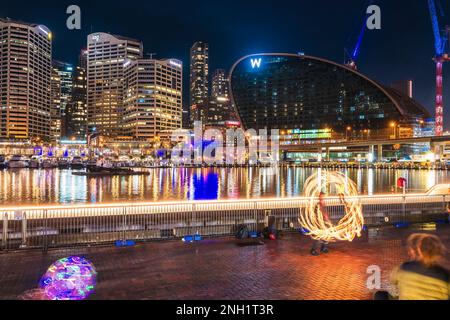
column 219, row 269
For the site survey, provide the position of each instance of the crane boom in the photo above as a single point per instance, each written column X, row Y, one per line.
column 354, row 54
column 438, row 43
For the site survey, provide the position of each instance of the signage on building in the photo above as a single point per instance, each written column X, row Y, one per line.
column 256, row 63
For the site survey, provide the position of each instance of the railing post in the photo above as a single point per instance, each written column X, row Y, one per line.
column 194, row 219
column 45, row 247
column 255, row 206
column 404, row 209
column 124, row 224
column 5, row 231
column 23, row 216
column 445, row 208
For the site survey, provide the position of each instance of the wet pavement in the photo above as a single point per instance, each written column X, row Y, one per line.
column 222, row 269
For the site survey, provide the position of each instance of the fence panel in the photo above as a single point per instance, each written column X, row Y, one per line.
column 82, row 225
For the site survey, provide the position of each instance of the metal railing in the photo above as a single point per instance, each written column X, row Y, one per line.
column 59, row 226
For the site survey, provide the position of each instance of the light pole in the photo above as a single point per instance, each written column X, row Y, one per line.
column 393, row 126
column 347, row 132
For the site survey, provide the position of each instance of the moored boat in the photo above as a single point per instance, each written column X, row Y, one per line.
column 76, row 163
column 18, row 162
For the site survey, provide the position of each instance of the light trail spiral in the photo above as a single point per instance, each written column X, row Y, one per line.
column 312, row 219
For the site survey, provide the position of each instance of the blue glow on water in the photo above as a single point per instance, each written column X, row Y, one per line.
column 205, row 186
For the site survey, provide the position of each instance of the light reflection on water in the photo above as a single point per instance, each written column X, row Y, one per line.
column 25, row 187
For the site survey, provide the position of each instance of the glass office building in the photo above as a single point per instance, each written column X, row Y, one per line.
column 297, row 92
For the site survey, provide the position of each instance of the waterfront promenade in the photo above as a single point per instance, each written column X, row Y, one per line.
column 220, row 269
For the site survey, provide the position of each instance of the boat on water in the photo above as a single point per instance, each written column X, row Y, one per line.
column 111, row 172
column 105, row 167
column 18, row 161
column 63, row 163
column 91, row 164
column 77, row 163
column 35, row 162
column 49, row 163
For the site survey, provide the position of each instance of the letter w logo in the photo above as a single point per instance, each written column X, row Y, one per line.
column 256, row 63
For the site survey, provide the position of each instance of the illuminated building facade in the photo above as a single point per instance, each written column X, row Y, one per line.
column 65, row 74
column 153, row 106
column 298, row 92
column 199, row 73
column 25, row 80
column 55, row 111
column 76, row 113
column 107, row 54
column 219, row 110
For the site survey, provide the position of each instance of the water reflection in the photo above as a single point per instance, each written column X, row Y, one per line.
column 25, row 186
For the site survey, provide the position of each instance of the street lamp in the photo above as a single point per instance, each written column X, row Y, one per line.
column 393, row 126
column 346, row 132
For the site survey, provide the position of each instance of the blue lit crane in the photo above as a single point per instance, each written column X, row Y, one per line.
column 352, row 57
column 440, row 44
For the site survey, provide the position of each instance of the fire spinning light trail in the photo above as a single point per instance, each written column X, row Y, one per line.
column 311, row 218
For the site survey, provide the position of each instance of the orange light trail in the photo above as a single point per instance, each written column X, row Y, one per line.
column 311, row 218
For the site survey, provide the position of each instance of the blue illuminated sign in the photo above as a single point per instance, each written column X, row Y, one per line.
column 256, row 63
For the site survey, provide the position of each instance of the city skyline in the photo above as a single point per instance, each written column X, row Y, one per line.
column 387, row 55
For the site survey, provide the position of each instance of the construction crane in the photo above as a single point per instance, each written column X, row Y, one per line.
column 440, row 44
column 351, row 58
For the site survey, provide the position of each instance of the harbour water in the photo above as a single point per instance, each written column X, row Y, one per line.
column 56, row 186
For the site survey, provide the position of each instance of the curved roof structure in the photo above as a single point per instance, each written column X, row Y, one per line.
column 312, row 92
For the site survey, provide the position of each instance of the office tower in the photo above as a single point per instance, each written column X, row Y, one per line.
column 55, row 111
column 153, row 99
column 404, row 86
column 186, row 120
column 219, row 110
column 199, row 72
column 65, row 74
column 107, row 56
column 25, row 80
column 76, row 113
column 82, row 59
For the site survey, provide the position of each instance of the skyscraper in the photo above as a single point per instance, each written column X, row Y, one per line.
column 76, row 113
column 219, row 109
column 107, row 56
column 25, row 80
column 153, row 98
column 55, row 111
column 199, row 73
column 65, row 74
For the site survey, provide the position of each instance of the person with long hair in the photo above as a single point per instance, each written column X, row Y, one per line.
column 423, row 277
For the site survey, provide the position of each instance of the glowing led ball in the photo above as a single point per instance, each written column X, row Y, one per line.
column 342, row 198
column 72, row 278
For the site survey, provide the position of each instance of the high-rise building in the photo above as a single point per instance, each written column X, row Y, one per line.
column 82, row 59
column 199, row 73
column 25, row 80
column 76, row 113
column 153, row 98
column 55, row 111
column 65, row 75
column 219, row 84
column 107, row 56
column 404, row 86
column 219, row 109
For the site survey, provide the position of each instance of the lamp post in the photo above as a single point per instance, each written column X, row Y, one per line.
column 393, row 126
column 347, row 132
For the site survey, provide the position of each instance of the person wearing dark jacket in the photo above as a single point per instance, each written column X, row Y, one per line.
column 321, row 246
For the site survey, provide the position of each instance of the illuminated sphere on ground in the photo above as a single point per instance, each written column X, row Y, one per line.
column 341, row 197
column 72, row 278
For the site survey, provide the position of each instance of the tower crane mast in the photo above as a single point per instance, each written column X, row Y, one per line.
column 440, row 44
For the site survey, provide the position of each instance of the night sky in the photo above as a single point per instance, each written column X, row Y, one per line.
column 234, row 28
